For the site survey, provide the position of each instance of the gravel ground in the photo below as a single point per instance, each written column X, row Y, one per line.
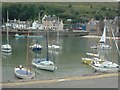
column 104, row 82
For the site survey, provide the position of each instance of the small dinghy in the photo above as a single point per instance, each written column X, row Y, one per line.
column 88, row 61
column 20, row 36
column 36, row 47
column 23, row 73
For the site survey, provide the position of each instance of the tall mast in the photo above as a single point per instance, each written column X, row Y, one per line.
column 47, row 28
column 58, row 31
column 7, row 29
column 98, row 30
column 39, row 17
column 38, row 23
column 27, row 50
column 115, row 42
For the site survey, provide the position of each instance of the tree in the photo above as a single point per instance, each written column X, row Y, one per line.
column 103, row 8
column 98, row 16
column 70, row 6
column 42, row 7
column 91, row 6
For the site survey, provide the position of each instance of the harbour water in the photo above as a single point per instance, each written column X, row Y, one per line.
column 68, row 60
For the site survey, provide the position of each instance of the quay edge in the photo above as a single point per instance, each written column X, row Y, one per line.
column 41, row 32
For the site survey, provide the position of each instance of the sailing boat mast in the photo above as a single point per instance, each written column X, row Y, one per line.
column 6, row 48
column 58, row 31
column 103, row 38
column 38, row 28
column 39, row 17
column 110, row 34
column 7, row 29
column 47, row 28
column 115, row 42
column 98, row 30
column 27, row 50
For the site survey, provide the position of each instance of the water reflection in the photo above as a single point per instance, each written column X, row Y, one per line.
column 6, row 55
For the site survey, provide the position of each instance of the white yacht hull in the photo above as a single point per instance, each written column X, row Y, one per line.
column 6, row 48
column 106, row 66
column 92, row 54
column 103, row 69
column 101, row 47
column 104, row 47
column 55, row 47
column 43, row 66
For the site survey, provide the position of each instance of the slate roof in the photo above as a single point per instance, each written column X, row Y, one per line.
column 49, row 18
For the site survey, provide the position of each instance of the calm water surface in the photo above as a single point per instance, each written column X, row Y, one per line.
column 68, row 60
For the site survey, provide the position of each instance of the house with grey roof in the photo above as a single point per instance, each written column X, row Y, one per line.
column 52, row 22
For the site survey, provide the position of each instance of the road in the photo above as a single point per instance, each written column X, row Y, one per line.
column 94, row 81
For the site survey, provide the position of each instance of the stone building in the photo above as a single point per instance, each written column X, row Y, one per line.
column 52, row 22
column 92, row 25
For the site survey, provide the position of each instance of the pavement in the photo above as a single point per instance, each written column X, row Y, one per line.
column 95, row 36
column 93, row 81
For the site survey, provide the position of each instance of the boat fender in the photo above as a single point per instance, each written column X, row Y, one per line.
column 32, row 77
column 20, row 66
column 25, row 36
column 105, row 67
column 55, row 68
column 95, row 70
column 117, row 66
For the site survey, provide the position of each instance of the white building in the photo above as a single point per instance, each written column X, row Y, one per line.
column 36, row 25
column 17, row 24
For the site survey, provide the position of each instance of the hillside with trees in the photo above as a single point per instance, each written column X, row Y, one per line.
column 77, row 11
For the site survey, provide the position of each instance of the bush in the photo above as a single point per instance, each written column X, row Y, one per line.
column 103, row 8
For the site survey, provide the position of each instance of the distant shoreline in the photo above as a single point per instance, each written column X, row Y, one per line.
column 43, row 32
column 94, row 36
